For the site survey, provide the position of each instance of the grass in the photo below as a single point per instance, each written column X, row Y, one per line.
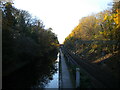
column 85, row 81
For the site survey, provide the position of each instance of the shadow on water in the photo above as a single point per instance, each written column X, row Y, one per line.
column 34, row 75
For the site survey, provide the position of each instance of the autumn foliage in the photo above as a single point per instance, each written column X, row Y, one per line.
column 97, row 36
column 24, row 38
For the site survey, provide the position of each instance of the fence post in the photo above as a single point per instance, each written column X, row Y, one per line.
column 77, row 77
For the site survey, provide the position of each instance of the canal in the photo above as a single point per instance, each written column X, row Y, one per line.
column 55, row 82
column 34, row 76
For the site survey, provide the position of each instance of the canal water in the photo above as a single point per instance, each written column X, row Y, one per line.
column 34, row 76
column 55, row 82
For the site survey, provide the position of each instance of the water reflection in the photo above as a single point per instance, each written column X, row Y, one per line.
column 35, row 75
column 54, row 83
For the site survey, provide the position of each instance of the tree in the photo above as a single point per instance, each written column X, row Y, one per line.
column 24, row 39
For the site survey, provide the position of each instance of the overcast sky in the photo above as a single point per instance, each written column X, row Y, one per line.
column 61, row 15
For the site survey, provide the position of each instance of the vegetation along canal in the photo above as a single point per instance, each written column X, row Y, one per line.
column 34, row 76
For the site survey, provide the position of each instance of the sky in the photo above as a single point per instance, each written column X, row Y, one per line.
column 61, row 15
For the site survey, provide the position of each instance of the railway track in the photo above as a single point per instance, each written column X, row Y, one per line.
column 100, row 77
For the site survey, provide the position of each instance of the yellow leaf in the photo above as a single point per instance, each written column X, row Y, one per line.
column 100, row 32
column 105, row 17
column 116, row 18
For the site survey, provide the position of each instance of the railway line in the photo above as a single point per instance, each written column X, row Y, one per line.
column 99, row 77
